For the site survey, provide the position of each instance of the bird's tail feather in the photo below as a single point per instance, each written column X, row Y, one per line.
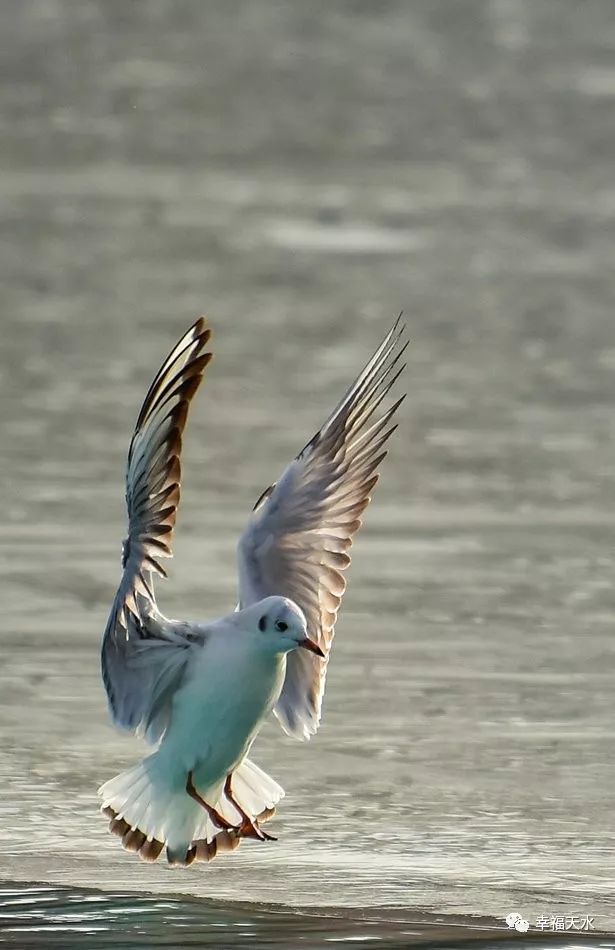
column 150, row 809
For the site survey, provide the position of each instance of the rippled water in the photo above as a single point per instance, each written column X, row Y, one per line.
column 36, row 916
column 51, row 916
column 302, row 173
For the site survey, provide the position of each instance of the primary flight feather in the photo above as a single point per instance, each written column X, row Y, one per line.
column 201, row 691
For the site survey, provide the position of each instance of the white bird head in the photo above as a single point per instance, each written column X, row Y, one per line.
column 280, row 624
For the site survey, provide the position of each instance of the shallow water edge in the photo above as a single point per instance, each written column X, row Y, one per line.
column 37, row 915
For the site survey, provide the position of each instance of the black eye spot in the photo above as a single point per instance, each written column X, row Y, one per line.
column 262, row 624
column 281, row 625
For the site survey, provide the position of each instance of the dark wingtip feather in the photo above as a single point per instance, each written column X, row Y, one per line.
column 153, row 501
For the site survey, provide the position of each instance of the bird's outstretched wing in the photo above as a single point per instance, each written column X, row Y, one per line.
column 141, row 662
column 297, row 541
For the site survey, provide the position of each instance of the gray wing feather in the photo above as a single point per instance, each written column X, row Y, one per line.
column 143, row 653
column 298, row 539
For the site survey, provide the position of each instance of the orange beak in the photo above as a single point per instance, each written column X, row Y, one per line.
column 308, row 644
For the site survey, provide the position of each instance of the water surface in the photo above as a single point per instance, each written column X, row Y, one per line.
column 302, row 176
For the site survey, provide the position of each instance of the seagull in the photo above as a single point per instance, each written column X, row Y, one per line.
column 200, row 691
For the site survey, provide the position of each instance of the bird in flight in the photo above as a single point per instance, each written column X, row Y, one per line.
column 200, row 692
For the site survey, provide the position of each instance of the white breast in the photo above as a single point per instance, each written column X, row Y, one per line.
column 230, row 689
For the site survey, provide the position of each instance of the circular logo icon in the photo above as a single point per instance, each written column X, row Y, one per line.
column 516, row 921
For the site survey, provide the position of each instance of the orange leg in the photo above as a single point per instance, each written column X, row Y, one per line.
column 215, row 816
column 249, row 826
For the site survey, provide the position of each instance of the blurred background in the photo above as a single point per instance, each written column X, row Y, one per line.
column 301, row 173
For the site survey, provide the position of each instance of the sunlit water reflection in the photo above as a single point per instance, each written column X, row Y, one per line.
column 462, row 170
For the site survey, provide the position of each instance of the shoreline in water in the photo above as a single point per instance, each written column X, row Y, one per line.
column 38, row 914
